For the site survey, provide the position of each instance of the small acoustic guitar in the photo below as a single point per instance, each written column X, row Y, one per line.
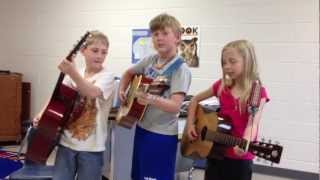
column 132, row 111
column 213, row 132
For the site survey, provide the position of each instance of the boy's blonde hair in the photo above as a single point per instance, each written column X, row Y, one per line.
column 165, row 20
column 250, row 69
column 96, row 36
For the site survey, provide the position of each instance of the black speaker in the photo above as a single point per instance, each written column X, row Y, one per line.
column 25, row 107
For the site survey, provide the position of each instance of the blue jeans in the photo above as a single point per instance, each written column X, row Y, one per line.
column 70, row 163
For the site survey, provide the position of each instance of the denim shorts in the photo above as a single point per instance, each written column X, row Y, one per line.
column 81, row 164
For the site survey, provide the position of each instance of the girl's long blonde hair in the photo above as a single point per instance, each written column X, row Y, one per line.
column 250, row 70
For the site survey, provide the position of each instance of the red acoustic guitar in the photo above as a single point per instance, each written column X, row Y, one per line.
column 132, row 111
column 57, row 113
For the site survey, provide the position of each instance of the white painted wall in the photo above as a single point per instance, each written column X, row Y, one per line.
column 37, row 34
column 3, row 45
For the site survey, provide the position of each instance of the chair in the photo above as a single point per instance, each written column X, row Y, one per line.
column 184, row 164
column 31, row 170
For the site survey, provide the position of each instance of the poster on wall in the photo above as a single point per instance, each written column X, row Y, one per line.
column 141, row 44
column 189, row 46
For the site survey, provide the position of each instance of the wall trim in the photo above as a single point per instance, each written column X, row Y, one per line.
column 286, row 173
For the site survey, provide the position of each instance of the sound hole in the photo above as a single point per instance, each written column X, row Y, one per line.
column 203, row 133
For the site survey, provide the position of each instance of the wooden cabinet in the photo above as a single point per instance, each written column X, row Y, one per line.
column 10, row 106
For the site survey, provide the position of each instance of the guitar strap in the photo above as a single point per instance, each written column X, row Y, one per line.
column 152, row 72
column 253, row 103
column 254, row 99
column 168, row 72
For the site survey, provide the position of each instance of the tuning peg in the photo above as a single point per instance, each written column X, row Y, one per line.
column 263, row 139
column 269, row 141
column 274, row 153
column 255, row 152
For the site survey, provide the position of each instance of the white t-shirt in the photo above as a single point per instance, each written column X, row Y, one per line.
column 96, row 140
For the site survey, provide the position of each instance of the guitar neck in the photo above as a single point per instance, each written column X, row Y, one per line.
column 225, row 139
column 61, row 76
column 268, row 151
column 69, row 58
column 58, row 84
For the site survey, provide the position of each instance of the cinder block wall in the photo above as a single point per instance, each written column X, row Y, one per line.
column 37, row 34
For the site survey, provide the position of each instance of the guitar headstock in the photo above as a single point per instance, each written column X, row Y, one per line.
column 267, row 151
column 80, row 44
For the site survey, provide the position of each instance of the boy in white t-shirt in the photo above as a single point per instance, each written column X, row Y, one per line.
column 80, row 152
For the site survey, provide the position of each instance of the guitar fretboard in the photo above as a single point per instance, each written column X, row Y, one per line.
column 69, row 58
column 268, row 151
column 225, row 139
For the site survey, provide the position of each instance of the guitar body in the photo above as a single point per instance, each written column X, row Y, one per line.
column 51, row 123
column 198, row 148
column 59, row 110
column 132, row 111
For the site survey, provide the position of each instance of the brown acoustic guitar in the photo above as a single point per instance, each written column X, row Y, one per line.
column 131, row 111
column 61, row 107
column 213, row 134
